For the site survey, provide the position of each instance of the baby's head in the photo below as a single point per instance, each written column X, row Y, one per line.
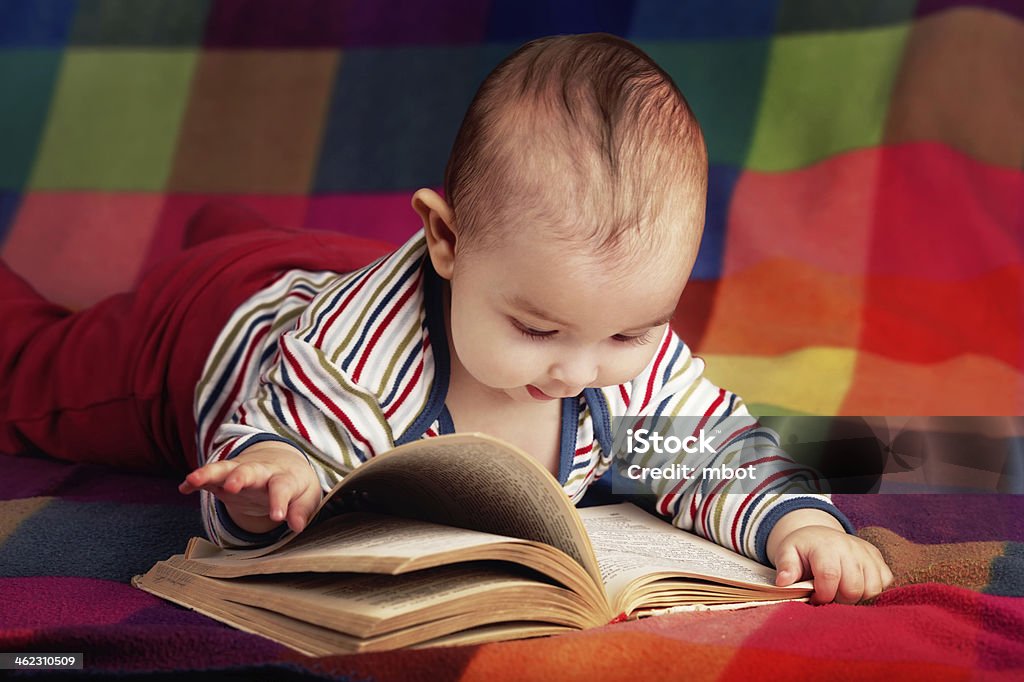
column 575, row 203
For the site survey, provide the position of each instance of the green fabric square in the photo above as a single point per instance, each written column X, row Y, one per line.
column 824, row 94
column 26, row 79
column 114, row 120
column 722, row 81
column 130, row 22
column 815, row 15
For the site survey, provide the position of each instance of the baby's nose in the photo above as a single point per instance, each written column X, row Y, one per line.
column 576, row 373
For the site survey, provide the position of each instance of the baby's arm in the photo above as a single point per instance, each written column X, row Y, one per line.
column 782, row 517
column 810, row 543
column 265, row 484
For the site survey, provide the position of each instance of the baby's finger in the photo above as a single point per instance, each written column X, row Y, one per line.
column 300, row 511
column 247, row 475
column 827, row 573
column 872, row 581
column 851, row 584
column 282, row 489
column 212, row 473
column 788, row 567
column 887, row 576
column 877, row 576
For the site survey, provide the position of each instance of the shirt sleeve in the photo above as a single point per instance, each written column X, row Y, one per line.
column 307, row 400
column 673, row 394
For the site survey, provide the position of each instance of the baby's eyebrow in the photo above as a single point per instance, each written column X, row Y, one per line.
column 528, row 307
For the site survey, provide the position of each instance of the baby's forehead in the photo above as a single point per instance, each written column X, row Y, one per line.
column 573, row 255
column 562, row 282
column 596, row 226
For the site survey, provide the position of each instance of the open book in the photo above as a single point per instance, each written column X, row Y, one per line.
column 455, row 540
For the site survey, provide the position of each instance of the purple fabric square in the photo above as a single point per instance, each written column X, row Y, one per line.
column 1012, row 7
column 934, row 518
column 343, row 23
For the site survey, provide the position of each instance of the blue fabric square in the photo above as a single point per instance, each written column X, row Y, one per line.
column 57, row 540
column 673, row 20
column 394, row 114
column 1007, row 571
column 723, row 81
column 35, row 22
column 721, row 182
column 9, row 202
column 27, row 79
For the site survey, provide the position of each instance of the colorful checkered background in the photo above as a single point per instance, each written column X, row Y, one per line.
column 864, row 248
column 864, row 254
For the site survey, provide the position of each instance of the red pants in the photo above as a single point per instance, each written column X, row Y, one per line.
column 114, row 383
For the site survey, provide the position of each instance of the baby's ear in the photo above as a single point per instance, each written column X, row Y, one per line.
column 438, row 226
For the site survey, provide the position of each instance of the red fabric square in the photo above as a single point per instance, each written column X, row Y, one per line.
column 384, row 216
column 76, row 248
column 178, row 209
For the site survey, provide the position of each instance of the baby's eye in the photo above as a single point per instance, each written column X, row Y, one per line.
column 532, row 333
column 633, row 340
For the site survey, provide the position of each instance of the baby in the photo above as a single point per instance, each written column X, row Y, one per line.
column 533, row 305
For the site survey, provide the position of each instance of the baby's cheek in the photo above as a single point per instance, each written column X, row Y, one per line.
column 622, row 368
column 500, row 363
column 514, row 366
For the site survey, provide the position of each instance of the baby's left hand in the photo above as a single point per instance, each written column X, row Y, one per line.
column 844, row 567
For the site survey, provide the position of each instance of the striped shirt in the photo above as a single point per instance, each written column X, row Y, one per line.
column 347, row 366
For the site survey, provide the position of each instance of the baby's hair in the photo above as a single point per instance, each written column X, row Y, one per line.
column 576, row 114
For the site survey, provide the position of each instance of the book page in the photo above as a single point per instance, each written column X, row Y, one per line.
column 630, row 544
column 471, row 481
column 379, row 543
column 367, row 605
column 363, row 542
column 164, row 581
column 696, row 608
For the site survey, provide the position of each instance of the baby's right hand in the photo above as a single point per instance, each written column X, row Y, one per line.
column 262, row 486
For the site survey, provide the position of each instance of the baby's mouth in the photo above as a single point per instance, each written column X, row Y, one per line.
column 538, row 394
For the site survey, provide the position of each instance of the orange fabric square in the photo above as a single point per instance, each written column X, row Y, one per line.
column 254, row 121
column 960, row 83
column 782, row 305
column 967, row 385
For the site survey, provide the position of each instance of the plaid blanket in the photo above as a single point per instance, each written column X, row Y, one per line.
column 71, row 537
column 863, row 254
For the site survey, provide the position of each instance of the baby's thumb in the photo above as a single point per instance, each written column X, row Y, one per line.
column 789, row 567
column 299, row 512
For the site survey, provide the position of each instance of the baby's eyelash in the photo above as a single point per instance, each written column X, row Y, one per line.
column 534, row 334
column 634, row 340
column 538, row 335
